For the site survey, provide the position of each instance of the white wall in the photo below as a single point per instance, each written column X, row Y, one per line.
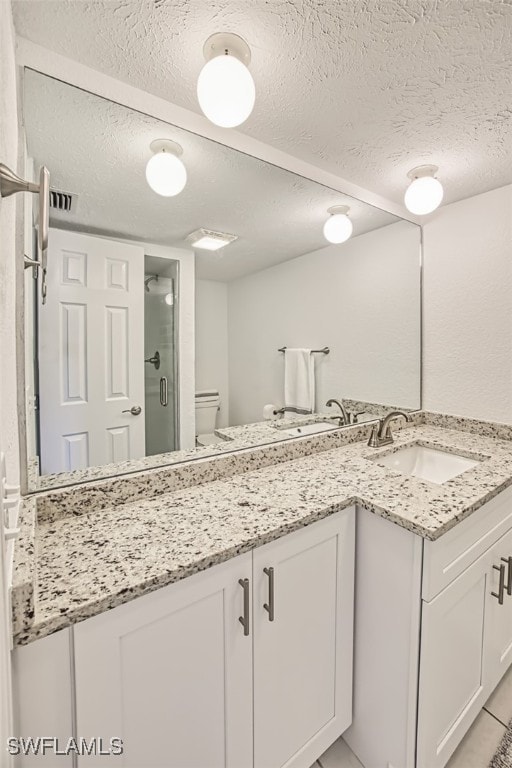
column 9, row 156
column 212, row 342
column 468, row 308
column 361, row 299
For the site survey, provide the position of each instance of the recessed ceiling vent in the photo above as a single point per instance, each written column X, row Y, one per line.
column 62, row 201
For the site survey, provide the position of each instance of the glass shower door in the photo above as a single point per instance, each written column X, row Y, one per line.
column 160, row 364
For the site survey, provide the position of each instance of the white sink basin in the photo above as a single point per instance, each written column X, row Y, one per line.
column 426, row 463
column 310, row 429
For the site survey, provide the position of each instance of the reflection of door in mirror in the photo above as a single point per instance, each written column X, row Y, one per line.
column 90, row 352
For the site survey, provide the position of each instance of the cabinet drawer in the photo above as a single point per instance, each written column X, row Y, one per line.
column 449, row 556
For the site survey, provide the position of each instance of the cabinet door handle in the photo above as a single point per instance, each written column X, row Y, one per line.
column 269, row 607
column 501, row 588
column 508, row 560
column 244, row 620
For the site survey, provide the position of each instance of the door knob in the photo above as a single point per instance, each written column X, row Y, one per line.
column 135, row 410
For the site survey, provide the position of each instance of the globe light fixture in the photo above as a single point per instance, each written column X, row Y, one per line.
column 425, row 193
column 225, row 88
column 165, row 172
column 338, row 227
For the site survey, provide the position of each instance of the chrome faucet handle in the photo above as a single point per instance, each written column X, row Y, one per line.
column 385, row 423
column 381, row 432
column 374, row 440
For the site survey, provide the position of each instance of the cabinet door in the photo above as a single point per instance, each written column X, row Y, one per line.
column 170, row 674
column 498, row 654
column 452, row 685
column 42, row 689
column 303, row 657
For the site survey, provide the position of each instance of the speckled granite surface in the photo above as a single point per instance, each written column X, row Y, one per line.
column 119, row 490
column 94, row 561
column 260, row 433
column 475, row 426
column 24, row 573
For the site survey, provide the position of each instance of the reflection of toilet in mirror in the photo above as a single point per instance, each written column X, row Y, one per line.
column 207, row 408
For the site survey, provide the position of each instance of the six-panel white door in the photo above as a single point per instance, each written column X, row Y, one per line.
column 91, row 353
column 170, row 674
column 303, row 656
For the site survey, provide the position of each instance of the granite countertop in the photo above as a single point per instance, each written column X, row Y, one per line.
column 88, row 563
column 230, row 439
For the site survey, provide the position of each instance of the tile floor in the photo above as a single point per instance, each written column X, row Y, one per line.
column 475, row 750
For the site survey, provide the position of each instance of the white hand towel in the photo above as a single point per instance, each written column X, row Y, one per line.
column 299, row 380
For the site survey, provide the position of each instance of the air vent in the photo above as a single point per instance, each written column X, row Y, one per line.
column 62, row 201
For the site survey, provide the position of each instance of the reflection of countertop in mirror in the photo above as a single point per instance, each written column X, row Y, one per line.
column 234, row 439
column 88, row 563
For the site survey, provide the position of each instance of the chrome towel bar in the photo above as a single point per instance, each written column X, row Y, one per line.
column 324, row 351
column 10, row 184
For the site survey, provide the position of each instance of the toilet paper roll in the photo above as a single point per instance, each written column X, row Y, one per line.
column 268, row 411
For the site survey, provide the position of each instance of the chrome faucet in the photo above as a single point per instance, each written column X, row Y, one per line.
column 285, row 409
column 381, row 432
column 344, row 418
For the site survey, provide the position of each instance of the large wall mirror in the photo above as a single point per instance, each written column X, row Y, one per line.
column 152, row 349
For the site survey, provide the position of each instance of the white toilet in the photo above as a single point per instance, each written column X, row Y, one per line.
column 207, row 407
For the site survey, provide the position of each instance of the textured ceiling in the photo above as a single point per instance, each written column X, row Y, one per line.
column 364, row 88
column 99, row 150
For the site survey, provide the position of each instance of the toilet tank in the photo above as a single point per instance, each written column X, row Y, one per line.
column 207, row 407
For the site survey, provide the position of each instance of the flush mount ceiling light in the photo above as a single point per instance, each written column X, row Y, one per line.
column 225, row 88
column 338, row 227
column 425, row 193
column 210, row 241
column 165, row 173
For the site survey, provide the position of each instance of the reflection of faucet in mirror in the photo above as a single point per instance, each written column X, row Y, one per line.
column 345, row 417
column 283, row 410
column 381, row 432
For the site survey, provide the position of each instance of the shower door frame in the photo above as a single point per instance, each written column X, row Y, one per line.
column 176, row 350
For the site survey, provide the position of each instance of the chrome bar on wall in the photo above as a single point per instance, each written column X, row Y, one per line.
column 164, row 393
column 10, row 184
column 324, row 351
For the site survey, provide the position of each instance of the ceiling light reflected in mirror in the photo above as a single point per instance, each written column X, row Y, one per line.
column 165, row 172
column 338, row 227
column 210, row 241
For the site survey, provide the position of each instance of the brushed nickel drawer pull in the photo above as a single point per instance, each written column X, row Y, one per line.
column 501, row 588
column 269, row 607
column 508, row 560
column 244, row 620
